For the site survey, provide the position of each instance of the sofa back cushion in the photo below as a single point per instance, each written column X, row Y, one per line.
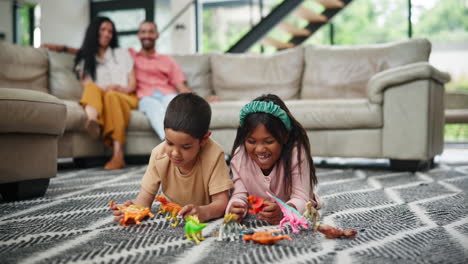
column 63, row 82
column 343, row 71
column 23, row 67
column 246, row 76
column 197, row 71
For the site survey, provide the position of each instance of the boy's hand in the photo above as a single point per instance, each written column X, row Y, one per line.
column 238, row 209
column 271, row 213
column 195, row 210
column 118, row 215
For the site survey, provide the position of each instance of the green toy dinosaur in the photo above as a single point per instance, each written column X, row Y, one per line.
column 193, row 229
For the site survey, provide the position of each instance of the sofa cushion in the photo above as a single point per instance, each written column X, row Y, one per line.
column 139, row 122
column 312, row 114
column 336, row 113
column 23, row 67
column 343, row 71
column 225, row 114
column 197, row 70
column 63, row 82
column 31, row 112
column 76, row 116
column 246, row 76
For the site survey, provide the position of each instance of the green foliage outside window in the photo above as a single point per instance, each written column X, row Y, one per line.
column 446, row 21
column 456, row 132
column 24, row 25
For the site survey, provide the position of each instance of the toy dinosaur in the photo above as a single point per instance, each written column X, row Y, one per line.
column 290, row 215
column 331, row 232
column 256, row 204
column 265, row 237
column 312, row 215
column 193, row 228
column 166, row 207
column 132, row 212
column 230, row 227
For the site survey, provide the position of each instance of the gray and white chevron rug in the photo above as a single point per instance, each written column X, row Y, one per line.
column 401, row 217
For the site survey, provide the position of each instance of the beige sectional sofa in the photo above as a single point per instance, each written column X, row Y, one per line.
column 372, row 101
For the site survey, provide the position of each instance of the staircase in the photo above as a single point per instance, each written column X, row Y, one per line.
column 314, row 20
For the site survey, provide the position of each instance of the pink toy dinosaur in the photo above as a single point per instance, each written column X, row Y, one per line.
column 291, row 215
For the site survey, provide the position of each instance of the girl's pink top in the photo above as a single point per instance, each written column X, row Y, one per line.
column 249, row 180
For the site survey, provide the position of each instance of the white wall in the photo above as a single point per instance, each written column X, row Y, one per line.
column 6, row 19
column 63, row 21
column 183, row 40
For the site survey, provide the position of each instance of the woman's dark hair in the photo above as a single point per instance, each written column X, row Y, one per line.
column 90, row 46
column 297, row 137
column 188, row 113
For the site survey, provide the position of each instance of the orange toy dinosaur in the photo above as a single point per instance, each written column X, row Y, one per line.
column 256, row 203
column 265, row 237
column 331, row 232
column 172, row 208
column 133, row 213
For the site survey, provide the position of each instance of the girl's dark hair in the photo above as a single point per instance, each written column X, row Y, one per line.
column 297, row 137
column 90, row 46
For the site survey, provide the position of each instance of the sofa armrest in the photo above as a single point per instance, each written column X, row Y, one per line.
column 413, row 111
column 400, row 75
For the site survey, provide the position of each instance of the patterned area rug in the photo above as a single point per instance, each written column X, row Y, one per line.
column 401, row 217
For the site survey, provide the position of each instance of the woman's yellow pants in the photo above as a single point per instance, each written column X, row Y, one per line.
column 114, row 111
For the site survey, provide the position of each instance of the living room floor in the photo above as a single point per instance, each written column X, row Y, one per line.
column 401, row 217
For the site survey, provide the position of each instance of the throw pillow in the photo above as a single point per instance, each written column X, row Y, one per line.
column 197, row 71
column 246, row 76
column 63, row 82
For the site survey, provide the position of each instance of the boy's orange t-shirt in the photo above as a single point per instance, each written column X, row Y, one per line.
column 209, row 176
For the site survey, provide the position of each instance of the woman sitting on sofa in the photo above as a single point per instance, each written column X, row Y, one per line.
column 108, row 80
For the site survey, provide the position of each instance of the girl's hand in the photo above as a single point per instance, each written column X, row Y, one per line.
column 238, row 209
column 195, row 210
column 118, row 215
column 271, row 213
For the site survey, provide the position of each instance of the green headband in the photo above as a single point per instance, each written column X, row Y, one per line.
column 265, row 107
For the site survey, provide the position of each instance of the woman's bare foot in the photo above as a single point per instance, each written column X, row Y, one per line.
column 93, row 127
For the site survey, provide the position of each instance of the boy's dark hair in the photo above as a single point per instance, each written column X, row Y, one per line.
column 188, row 113
column 297, row 137
column 90, row 46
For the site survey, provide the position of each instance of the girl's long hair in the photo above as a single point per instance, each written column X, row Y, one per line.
column 297, row 137
column 90, row 46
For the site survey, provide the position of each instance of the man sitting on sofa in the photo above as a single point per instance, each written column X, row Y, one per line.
column 159, row 78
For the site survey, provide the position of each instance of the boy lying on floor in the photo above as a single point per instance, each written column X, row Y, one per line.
column 188, row 165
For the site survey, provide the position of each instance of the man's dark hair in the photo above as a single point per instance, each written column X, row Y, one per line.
column 188, row 113
column 150, row 22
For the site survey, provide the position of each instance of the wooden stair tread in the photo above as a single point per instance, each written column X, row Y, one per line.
column 294, row 30
column 276, row 43
column 310, row 15
column 331, row 3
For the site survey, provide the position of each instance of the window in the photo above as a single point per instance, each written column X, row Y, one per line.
column 26, row 24
column 225, row 22
column 126, row 15
column 366, row 22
